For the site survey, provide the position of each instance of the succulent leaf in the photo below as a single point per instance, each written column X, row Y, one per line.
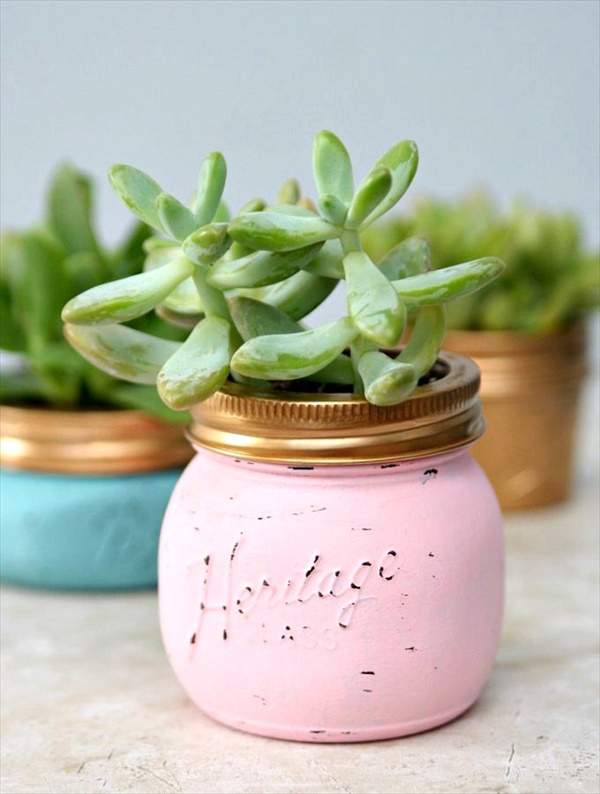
column 333, row 209
column 155, row 244
column 408, row 258
column 176, row 219
column 386, row 382
column 207, row 244
column 293, row 209
column 401, row 160
column 121, row 351
column 138, row 191
column 289, row 192
column 297, row 296
column 255, row 318
column 254, row 205
column 33, row 274
column 184, row 300
column 199, row 367
column 439, row 286
column 293, row 356
column 373, row 303
column 426, row 339
column 275, row 230
column 211, row 183
column 340, row 371
column 371, row 192
column 222, row 214
column 260, row 268
column 328, row 262
column 332, row 167
column 212, row 300
column 182, row 305
column 70, row 210
column 127, row 298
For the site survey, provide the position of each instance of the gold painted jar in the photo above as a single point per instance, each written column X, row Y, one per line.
column 530, row 390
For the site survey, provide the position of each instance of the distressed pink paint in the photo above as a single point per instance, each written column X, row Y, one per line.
column 334, row 603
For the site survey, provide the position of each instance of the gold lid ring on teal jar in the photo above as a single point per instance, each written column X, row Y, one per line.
column 89, row 442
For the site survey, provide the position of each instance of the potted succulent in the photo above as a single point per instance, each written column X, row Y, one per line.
column 330, row 563
column 526, row 331
column 88, row 462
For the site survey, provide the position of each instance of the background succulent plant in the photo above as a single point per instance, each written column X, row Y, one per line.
column 551, row 277
column 40, row 269
column 243, row 285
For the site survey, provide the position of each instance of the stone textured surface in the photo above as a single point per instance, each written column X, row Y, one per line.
column 90, row 705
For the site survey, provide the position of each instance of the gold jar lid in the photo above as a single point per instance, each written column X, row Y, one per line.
column 89, row 442
column 342, row 429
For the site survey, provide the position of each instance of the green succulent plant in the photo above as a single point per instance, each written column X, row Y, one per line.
column 40, row 269
column 551, row 277
column 244, row 284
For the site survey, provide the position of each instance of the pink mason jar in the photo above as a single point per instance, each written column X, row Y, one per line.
column 330, row 570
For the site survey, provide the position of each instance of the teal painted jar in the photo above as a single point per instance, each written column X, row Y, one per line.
column 83, row 496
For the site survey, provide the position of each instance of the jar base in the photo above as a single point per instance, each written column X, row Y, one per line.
column 337, row 735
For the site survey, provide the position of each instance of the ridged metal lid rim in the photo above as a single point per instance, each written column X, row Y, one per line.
column 342, row 429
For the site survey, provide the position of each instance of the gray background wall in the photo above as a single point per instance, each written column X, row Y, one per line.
column 498, row 93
